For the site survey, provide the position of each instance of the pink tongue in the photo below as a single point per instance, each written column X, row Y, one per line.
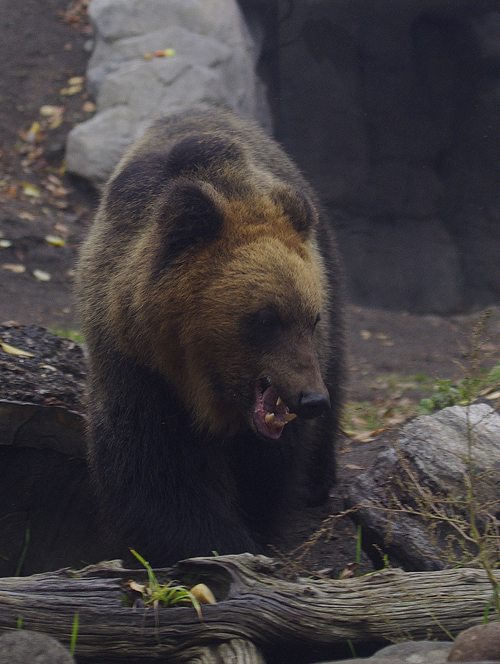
column 266, row 403
column 269, row 399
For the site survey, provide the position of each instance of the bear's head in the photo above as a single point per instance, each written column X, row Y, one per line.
column 232, row 311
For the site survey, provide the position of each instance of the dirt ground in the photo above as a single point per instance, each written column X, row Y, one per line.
column 44, row 215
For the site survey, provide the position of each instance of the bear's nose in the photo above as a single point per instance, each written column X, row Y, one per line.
column 312, row 404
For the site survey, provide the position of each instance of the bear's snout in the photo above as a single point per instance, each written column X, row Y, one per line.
column 312, row 404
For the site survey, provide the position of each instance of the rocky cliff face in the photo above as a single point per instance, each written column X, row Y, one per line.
column 393, row 108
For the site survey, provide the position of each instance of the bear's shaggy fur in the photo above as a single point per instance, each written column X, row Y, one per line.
column 210, row 300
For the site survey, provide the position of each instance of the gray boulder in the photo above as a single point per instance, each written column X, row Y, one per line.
column 427, row 468
column 212, row 61
column 389, row 263
column 476, row 643
column 23, row 647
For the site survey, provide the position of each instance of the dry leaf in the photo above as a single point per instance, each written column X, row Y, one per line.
column 138, row 587
column 352, row 466
column 54, row 241
column 48, row 111
column 31, row 190
column 48, row 366
column 41, row 275
column 71, row 90
column 32, row 132
column 363, row 437
column 493, row 395
column 203, row 594
column 365, row 334
column 349, row 571
column 27, row 216
column 376, row 432
column 5, row 244
column 62, row 205
column 56, row 190
column 488, row 390
column 165, row 53
column 56, row 122
column 54, row 113
column 11, row 350
column 14, row 267
column 397, row 419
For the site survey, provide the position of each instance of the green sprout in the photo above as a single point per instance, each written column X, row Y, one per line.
column 166, row 594
column 74, row 632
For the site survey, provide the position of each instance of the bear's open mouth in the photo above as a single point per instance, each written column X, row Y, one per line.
column 269, row 412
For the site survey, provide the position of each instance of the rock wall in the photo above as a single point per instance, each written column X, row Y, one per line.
column 211, row 58
column 393, row 110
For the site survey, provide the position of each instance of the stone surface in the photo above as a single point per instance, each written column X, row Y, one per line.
column 212, row 62
column 23, row 647
column 428, row 459
column 392, row 109
column 430, row 652
column 415, row 652
column 410, row 264
column 476, row 643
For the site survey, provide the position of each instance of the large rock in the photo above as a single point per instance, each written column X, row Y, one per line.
column 422, row 479
column 23, row 647
column 392, row 109
column 213, row 62
column 411, row 265
column 476, row 643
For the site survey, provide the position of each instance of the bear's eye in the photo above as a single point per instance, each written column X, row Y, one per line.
column 318, row 318
column 263, row 326
column 268, row 318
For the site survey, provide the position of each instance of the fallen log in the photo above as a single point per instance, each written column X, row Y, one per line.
column 258, row 610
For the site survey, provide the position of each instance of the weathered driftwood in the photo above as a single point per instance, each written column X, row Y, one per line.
column 257, row 610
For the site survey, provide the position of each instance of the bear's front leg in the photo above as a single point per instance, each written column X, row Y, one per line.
column 164, row 488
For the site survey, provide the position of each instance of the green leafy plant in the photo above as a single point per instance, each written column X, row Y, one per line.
column 359, row 545
column 73, row 334
column 23, row 552
column 476, row 382
column 158, row 594
column 447, row 393
column 74, row 632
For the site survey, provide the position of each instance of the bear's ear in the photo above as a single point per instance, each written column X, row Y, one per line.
column 132, row 188
column 201, row 152
column 190, row 215
column 298, row 208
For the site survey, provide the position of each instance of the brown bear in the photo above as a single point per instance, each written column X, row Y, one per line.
column 210, row 299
